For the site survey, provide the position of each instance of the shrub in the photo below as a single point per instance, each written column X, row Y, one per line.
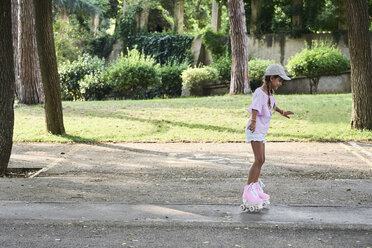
column 195, row 78
column 321, row 59
column 131, row 76
column 93, row 87
column 256, row 71
column 71, row 73
column 171, row 80
column 223, row 66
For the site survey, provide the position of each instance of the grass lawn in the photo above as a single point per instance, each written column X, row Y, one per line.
column 214, row 119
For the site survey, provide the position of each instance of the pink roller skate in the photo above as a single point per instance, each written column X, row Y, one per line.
column 265, row 197
column 251, row 201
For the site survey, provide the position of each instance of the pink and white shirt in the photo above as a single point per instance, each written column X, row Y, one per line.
column 260, row 103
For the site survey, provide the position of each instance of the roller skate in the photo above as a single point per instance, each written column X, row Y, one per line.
column 265, row 197
column 251, row 201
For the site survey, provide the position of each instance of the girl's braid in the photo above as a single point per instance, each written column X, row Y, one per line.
column 269, row 90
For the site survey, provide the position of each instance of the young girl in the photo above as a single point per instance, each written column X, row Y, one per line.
column 261, row 109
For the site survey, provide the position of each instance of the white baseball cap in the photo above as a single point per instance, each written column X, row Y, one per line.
column 276, row 70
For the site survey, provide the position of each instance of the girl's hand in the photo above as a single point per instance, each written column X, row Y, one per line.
column 286, row 113
column 252, row 126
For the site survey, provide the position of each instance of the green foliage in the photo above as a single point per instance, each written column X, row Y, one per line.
column 319, row 60
column 76, row 6
column 325, row 20
column 93, row 87
column 276, row 16
column 127, row 27
column 67, row 40
column 197, row 14
column 71, row 74
column 223, row 66
column 101, row 46
column 215, row 42
column 171, row 80
column 256, row 71
column 134, row 74
column 162, row 46
column 165, row 47
column 196, row 77
column 257, row 67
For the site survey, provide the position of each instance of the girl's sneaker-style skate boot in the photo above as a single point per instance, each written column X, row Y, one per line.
column 259, row 189
column 251, row 201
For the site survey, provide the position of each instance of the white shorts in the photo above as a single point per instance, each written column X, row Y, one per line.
column 254, row 136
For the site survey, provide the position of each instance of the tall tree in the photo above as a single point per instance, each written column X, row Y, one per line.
column 361, row 64
column 297, row 14
column 255, row 9
column 7, row 86
column 15, row 32
column 216, row 15
column 239, row 48
column 28, row 89
column 48, row 66
column 178, row 16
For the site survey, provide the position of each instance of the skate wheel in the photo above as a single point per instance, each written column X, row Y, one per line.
column 252, row 208
column 243, row 207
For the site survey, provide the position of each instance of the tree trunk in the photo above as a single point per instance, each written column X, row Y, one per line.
column 361, row 64
column 297, row 17
column 144, row 18
column 239, row 48
column 48, row 66
column 255, row 9
column 342, row 18
column 95, row 23
column 7, row 86
column 216, row 16
column 29, row 88
column 314, row 82
column 15, row 32
column 178, row 16
column 64, row 15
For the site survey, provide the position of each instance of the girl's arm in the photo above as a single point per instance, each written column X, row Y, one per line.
column 282, row 112
column 252, row 126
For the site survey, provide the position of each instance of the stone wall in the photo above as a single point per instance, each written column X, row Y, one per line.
column 327, row 85
column 280, row 47
column 300, row 85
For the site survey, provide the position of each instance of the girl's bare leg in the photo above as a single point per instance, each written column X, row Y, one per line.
column 259, row 159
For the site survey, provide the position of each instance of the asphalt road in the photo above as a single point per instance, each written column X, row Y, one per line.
column 186, row 195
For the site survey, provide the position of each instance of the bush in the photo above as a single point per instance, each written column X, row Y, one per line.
column 194, row 78
column 321, row 59
column 71, row 73
column 93, row 87
column 223, row 66
column 131, row 76
column 256, row 71
column 171, row 80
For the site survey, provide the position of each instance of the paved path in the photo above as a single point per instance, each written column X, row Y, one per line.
column 186, row 195
column 342, row 217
